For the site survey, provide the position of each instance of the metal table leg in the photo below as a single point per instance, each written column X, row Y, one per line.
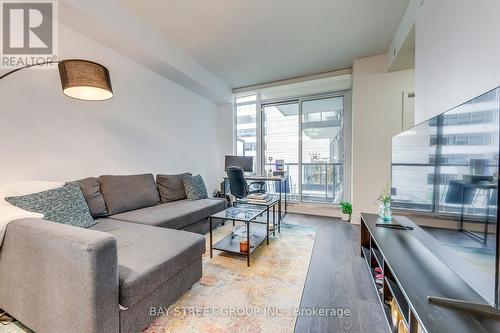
column 211, row 242
column 248, row 242
column 274, row 220
column 286, row 184
column 267, row 225
column 279, row 202
column 279, row 223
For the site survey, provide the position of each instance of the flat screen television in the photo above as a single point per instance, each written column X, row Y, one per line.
column 445, row 178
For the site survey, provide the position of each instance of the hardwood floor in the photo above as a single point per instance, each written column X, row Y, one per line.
column 337, row 279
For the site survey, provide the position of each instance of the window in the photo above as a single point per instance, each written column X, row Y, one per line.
column 322, row 150
column 246, row 99
column 307, row 134
column 281, row 140
column 411, row 168
column 247, row 132
column 246, row 129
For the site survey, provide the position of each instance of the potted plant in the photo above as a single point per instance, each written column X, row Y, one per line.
column 384, row 209
column 345, row 211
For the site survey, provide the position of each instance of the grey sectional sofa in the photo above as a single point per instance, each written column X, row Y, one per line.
column 60, row 278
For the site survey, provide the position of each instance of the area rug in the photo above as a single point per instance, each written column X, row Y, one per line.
column 232, row 297
column 14, row 327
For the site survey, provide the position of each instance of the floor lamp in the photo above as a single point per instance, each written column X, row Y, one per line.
column 80, row 79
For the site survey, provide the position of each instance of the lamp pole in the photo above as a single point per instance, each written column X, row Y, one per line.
column 29, row 66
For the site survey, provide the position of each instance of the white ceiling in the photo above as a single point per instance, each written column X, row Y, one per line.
column 246, row 42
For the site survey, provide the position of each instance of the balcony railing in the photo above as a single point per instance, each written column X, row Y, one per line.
column 321, row 182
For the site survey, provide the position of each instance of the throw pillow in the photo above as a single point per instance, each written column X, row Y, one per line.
column 91, row 191
column 195, row 187
column 25, row 187
column 171, row 187
column 126, row 193
column 64, row 205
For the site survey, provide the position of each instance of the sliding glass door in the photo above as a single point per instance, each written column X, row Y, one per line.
column 307, row 136
column 281, row 141
column 322, row 150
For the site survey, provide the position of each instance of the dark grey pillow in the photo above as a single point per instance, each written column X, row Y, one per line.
column 126, row 193
column 91, row 191
column 171, row 187
column 195, row 187
column 64, row 205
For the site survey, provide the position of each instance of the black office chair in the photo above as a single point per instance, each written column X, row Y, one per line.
column 238, row 184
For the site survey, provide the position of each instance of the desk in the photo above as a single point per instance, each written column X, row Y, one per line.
column 281, row 180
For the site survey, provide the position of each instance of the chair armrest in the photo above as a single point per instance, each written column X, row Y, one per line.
column 257, row 189
column 59, row 278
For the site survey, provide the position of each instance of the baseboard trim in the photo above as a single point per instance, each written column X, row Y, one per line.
column 314, row 209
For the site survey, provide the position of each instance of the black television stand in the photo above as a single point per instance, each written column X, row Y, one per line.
column 411, row 273
column 479, row 308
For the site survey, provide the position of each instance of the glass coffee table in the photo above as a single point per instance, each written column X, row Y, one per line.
column 269, row 204
column 256, row 230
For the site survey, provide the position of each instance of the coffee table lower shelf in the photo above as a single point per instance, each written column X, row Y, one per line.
column 231, row 243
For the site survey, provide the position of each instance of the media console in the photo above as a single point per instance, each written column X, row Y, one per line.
column 411, row 273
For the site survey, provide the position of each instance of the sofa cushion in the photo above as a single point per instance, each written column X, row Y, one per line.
column 125, row 193
column 149, row 256
column 171, row 187
column 174, row 215
column 64, row 205
column 91, row 191
column 195, row 187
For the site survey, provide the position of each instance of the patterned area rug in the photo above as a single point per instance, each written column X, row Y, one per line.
column 14, row 327
column 231, row 297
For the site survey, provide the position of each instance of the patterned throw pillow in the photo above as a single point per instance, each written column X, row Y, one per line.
column 64, row 205
column 195, row 187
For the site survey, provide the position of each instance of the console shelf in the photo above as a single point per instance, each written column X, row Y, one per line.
column 400, row 300
column 411, row 273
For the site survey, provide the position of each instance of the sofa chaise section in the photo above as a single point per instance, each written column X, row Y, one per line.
column 148, row 257
column 59, row 278
column 155, row 266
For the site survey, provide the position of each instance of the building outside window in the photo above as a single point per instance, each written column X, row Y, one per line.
column 307, row 133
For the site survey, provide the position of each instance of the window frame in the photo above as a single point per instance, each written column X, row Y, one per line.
column 345, row 127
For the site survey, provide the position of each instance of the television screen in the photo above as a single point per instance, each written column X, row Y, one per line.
column 445, row 175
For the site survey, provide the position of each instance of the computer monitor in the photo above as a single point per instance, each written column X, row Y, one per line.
column 244, row 162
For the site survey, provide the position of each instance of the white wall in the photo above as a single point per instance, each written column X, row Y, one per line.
column 226, row 132
column 457, row 53
column 377, row 101
column 150, row 125
column 112, row 24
